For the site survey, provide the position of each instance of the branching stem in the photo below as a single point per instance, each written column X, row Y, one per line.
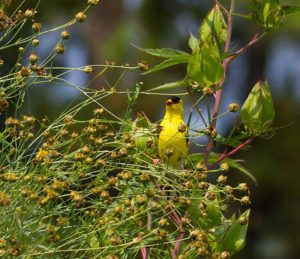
column 218, row 95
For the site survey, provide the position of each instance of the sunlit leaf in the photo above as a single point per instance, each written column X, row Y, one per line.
column 258, row 112
column 164, row 53
column 213, row 158
column 234, row 237
column 193, row 42
column 237, row 165
column 213, row 27
column 268, row 14
column 168, row 63
column 172, row 85
column 205, row 66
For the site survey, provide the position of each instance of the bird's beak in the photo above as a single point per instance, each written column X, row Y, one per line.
column 169, row 102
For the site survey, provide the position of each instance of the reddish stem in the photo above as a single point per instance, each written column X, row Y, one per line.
column 177, row 244
column 144, row 252
column 219, row 92
column 225, row 155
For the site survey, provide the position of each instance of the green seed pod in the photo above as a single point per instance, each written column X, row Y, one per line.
column 268, row 14
column 257, row 112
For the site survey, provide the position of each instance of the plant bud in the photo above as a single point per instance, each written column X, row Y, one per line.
column 36, row 27
column 233, row 107
column 182, row 128
column 224, row 167
column 24, row 72
column 88, row 69
column 224, row 255
column 35, row 42
column 21, row 49
column 93, row 2
column 80, row 17
column 243, row 220
column 222, row 179
column 243, row 187
column 65, row 35
column 207, row 91
column 33, row 58
column 245, row 200
column 29, row 13
column 60, row 49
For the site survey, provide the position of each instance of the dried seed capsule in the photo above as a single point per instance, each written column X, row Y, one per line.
column 233, row 107
column 93, row 2
column 36, row 27
column 33, row 58
column 60, row 48
column 80, row 17
column 29, row 13
column 65, row 35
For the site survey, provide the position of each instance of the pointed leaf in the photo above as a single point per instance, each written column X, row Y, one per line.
column 291, row 10
column 168, row 86
column 235, row 235
column 257, row 112
column 198, row 157
column 193, row 42
column 235, row 164
column 214, row 27
column 168, row 63
column 205, row 66
column 163, row 53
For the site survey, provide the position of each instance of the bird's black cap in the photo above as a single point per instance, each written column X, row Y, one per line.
column 174, row 99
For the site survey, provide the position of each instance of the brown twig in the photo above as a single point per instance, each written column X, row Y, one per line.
column 255, row 39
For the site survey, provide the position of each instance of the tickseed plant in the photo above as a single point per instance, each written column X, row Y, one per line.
column 94, row 188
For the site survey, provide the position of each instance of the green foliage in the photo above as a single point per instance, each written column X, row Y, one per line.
column 268, row 14
column 95, row 188
column 257, row 112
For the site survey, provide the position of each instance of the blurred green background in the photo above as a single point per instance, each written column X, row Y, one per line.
column 107, row 34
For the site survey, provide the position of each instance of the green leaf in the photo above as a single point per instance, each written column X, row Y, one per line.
column 234, row 237
column 234, row 163
column 268, row 14
column 214, row 27
column 193, row 42
column 237, row 165
column 258, row 112
column 289, row 10
column 168, row 86
column 164, row 53
column 168, row 63
column 214, row 216
column 205, row 66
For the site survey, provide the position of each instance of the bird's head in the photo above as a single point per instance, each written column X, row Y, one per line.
column 174, row 104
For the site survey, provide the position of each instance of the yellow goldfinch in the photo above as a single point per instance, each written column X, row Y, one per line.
column 172, row 142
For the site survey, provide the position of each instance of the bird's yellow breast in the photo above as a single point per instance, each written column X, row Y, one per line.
column 172, row 143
